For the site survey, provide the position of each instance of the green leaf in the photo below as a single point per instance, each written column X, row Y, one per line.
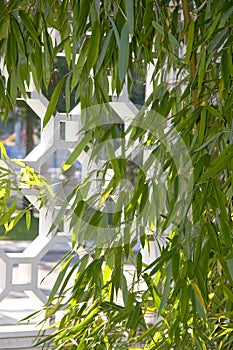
column 148, row 13
column 47, row 58
column 18, row 35
column 184, row 302
column 228, row 293
column 202, row 68
column 125, row 291
column 175, row 265
column 68, row 48
column 80, row 64
column 53, row 102
column 201, row 307
column 117, row 37
column 190, row 41
column 67, row 94
column 77, row 151
column 12, row 50
column 213, row 26
column 139, row 264
column 28, row 219
column 59, row 280
column 161, row 30
column 134, row 318
column 202, row 127
column 219, row 163
column 230, row 267
column 213, row 237
column 130, row 15
column 81, row 17
column 225, row 70
column 38, row 63
column 12, row 79
column 94, row 46
column 123, row 53
column 103, row 52
column 26, row 19
column 14, row 221
column 3, row 151
column 167, row 287
column 215, row 112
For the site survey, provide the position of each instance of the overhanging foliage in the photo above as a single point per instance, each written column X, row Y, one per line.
column 189, row 286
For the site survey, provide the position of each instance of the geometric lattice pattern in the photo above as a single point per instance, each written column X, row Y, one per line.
column 61, row 132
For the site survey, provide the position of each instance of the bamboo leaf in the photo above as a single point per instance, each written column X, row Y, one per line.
column 230, row 267
column 148, row 13
column 225, row 70
column 202, row 127
column 219, row 163
column 18, row 35
column 53, row 102
column 77, row 151
column 123, row 52
column 202, row 69
column 28, row 219
column 80, row 64
column 199, row 296
column 13, row 85
column 14, row 221
column 134, row 318
column 213, row 237
column 3, row 151
column 184, row 301
column 139, row 264
column 215, row 112
column 26, row 19
column 81, row 17
column 59, row 280
column 103, row 52
column 67, row 94
column 117, row 36
column 213, row 26
column 130, row 15
column 94, row 45
column 167, row 287
column 161, row 30
column 190, row 41
column 38, row 63
column 47, row 58
column 228, row 293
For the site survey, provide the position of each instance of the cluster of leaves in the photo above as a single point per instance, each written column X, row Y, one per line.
column 12, row 204
column 188, row 287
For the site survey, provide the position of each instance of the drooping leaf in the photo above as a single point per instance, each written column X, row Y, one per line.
column 190, row 40
column 123, row 52
column 77, row 151
column 27, row 21
column 53, row 102
column 219, row 163
column 130, row 15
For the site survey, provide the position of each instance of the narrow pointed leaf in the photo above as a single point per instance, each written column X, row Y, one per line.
column 53, row 102
column 77, row 151
column 190, row 40
column 123, row 52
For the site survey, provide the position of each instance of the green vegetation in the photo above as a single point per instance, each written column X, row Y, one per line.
column 20, row 231
column 184, row 202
